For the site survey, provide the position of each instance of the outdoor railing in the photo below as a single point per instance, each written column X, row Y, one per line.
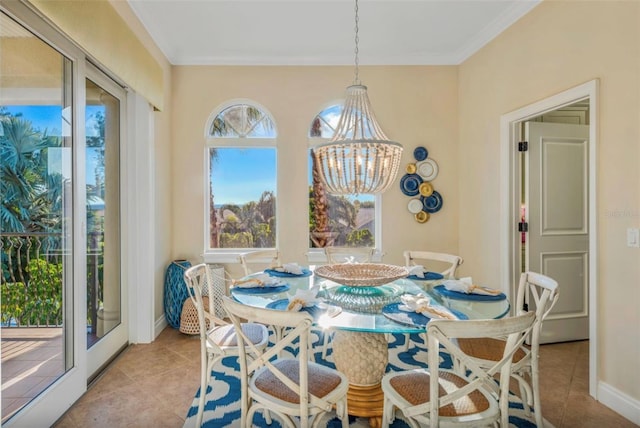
column 32, row 275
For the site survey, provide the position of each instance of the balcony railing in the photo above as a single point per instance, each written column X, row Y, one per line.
column 32, row 278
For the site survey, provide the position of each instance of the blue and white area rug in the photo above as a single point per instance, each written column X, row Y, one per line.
column 222, row 407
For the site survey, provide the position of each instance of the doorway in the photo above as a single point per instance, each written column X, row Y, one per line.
column 514, row 178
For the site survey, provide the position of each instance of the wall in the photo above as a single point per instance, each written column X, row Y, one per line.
column 415, row 106
column 555, row 47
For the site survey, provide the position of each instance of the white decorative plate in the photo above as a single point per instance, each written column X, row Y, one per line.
column 427, row 169
column 414, row 206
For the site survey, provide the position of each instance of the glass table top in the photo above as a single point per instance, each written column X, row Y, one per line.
column 357, row 316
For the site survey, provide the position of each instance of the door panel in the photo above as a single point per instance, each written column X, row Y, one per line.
column 108, row 328
column 556, row 199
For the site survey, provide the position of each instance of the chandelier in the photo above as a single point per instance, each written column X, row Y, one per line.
column 359, row 158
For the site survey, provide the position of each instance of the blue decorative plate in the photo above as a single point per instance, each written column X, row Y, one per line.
column 260, row 290
column 410, row 184
column 432, row 204
column 428, row 276
column 420, row 153
column 414, row 319
column 464, row 296
column 281, row 305
column 271, row 272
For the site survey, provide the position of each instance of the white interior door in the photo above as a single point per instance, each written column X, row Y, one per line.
column 556, row 199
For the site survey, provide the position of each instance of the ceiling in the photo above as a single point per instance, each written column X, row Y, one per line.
column 322, row 32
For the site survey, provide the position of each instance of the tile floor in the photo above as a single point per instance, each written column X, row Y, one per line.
column 153, row 385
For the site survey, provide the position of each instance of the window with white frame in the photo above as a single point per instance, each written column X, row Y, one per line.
column 241, row 179
column 338, row 220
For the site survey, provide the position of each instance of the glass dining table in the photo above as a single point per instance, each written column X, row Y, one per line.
column 361, row 318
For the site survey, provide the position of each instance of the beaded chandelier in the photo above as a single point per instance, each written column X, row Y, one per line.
column 360, row 158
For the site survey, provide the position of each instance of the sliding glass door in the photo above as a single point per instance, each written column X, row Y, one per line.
column 106, row 321
column 62, row 294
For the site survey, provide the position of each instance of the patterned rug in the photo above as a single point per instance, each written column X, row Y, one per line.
column 222, row 407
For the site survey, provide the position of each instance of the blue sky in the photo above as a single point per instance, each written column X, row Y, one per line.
column 49, row 118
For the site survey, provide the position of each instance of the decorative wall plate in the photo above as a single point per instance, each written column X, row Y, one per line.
column 410, row 184
column 420, row 153
column 433, row 203
column 411, row 168
column 425, row 189
column 427, row 169
column 422, row 217
column 415, row 206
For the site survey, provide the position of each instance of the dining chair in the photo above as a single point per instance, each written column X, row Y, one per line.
column 441, row 397
column 290, row 387
column 348, row 254
column 218, row 338
column 265, row 258
column 448, row 262
column 538, row 294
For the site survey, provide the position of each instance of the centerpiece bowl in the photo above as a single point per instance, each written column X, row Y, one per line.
column 362, row 274
column 364, row 287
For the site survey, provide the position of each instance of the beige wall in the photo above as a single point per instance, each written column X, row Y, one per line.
column 555, row 47
column 415, row 106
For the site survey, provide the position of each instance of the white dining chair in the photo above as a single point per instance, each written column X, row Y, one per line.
column 439, row 397
column 442, row 263
column 446, row 264
column 538, row 294
column 218, row 338
column 290, row 387
column 259, row 260
column 348, row 254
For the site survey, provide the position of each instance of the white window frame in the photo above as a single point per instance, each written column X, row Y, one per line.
column 232, row 255
column 317, row 255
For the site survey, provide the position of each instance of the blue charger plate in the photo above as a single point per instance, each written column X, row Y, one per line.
column 464, row 296
column 428, row 276
column 260, row 290
column 414, row 319
column 271, row 272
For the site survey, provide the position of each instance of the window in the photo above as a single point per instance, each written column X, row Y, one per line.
column 337, row 220
column 241, row 156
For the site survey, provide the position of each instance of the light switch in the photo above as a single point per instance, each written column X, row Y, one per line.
column 633, row 238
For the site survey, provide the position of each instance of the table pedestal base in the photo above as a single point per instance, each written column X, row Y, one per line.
column 363, row 358
column 366, row 401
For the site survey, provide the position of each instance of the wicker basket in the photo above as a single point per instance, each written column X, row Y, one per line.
column 361, row 274
column 189, row 323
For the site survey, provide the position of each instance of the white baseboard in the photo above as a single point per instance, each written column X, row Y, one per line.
column 160, row 325
column 619, row 402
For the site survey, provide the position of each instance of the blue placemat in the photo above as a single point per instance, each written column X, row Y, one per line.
column 428, row 276
column 271, row 272
column 414, row 319
column 281, row 305
column 260, row 290
column 464, row 296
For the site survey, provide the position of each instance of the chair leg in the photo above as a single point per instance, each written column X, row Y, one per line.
column 325, row 343
column 204, row 381
column 407, row 339
column 537, row 408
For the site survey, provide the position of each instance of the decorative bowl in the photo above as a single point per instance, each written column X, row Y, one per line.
column 362, row 274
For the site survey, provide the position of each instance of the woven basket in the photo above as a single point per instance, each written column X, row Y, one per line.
column 361, row 274
column 189, row 323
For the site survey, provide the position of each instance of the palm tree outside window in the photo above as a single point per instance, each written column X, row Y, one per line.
column 242, row 198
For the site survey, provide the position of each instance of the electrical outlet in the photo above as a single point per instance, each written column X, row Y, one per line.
column 633, row 238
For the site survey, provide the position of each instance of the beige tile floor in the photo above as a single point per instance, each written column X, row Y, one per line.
column 153, row 386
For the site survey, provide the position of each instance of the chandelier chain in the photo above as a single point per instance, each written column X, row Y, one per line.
column 356, row 79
